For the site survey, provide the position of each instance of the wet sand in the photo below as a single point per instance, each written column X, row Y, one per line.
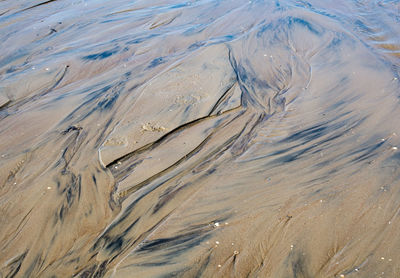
column 199, row 139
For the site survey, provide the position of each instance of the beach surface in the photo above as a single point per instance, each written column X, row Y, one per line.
column 199, row 138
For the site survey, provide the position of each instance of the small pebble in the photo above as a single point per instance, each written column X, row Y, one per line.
column 216, row 224
column 219, row 265
column 394, row 148
column 217, row 242
column 235, row 252
column 48, row 187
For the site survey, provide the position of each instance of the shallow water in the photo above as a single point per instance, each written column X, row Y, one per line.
column 199, row 138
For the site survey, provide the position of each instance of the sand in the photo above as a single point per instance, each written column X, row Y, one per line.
column 199, row 139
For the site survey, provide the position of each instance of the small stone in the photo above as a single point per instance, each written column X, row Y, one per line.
column 216, row 224
column 49, row 187
column 382, row 258
column 394, row 148
column 219, row 265
column 217, row 242
column 235, row 252
column 341, row 275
